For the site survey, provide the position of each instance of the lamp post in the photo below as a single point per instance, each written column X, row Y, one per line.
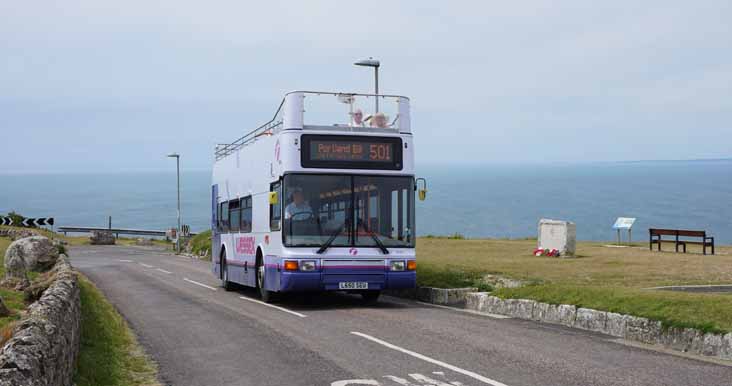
column 177, row 168
column 371, row 62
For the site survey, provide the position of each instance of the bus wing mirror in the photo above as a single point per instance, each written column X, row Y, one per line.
column 273, row 198
column 421, row 192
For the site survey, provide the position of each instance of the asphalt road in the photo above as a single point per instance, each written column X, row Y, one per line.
column 202, row 335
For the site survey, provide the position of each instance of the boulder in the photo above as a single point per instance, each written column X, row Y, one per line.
column 102, row 238
column 144, row 242
column 16, row 276
column 38, row 253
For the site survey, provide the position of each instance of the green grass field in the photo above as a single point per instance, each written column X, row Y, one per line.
column 604, row 278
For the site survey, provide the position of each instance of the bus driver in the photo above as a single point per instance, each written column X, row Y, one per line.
column 298, row 207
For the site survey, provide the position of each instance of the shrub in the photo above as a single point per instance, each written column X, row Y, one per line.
column 18, row 219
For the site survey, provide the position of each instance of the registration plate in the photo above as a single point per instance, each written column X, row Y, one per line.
column 353, row 285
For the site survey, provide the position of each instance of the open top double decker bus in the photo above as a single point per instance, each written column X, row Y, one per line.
column 320, row 198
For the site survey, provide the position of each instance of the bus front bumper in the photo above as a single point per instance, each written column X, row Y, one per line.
column 319, row 281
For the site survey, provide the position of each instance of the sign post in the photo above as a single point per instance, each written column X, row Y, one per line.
column 624, row 223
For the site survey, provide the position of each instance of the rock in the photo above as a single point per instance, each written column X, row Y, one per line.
column 143, row 242
column 38, row 252
column 102, row 238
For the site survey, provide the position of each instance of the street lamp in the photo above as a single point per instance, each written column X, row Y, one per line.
column 177, row 168
column 371, row 62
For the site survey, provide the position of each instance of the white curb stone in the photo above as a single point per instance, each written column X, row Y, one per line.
column 589, row 319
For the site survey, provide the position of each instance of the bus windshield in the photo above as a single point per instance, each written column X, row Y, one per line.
column 348, row 210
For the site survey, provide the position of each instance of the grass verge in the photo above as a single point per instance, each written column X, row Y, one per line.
column 109, row 353
column 706, row 312
column 602, row 278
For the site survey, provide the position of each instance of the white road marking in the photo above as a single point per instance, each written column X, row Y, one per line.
column 146, row 265
column 349, row 382
column 125, row 261
column 425, row 358
column 199, row 284
column 164, row 271
column 427, row 380
column 278, row 308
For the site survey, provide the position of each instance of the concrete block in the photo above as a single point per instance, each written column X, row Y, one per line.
column 560, row 235
column 567, row 314
column 439, row 295
column 615, row 324
column 678, row 339
column 424, row 294
column 642, row 330
column 496, row 305
column 589, row 319
column 520, row 308
column 475, row 301
column 725, row 351
column 543, row 313
column 458, row 296
column 712, row 345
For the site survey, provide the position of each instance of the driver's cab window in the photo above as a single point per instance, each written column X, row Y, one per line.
column 275, row 210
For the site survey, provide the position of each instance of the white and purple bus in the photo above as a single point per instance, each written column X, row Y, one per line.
column 320, row 198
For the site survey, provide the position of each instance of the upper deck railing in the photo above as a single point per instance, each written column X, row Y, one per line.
column 318, row 110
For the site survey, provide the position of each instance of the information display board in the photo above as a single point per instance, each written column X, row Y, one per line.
column 351, row 152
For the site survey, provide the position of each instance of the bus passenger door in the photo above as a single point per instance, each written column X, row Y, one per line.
column 215, row 235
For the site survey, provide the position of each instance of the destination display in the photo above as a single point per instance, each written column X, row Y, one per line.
column 351, row 152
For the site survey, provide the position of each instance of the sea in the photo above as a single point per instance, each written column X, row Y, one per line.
column 475, row 201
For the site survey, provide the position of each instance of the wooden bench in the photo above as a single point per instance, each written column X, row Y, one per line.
column 655, row 237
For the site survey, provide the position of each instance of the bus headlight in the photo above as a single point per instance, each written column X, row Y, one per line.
column 307, row 265
column 397, row 265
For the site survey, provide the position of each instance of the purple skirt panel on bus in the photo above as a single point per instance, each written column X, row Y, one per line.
column 329, row 277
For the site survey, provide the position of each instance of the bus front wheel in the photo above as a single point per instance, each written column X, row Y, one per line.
column 225, row 283
column 265, row 295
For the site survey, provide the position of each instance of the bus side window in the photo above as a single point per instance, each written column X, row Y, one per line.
column 234, row 215
column 275, row 211
column 246, row 214
column 224, row 217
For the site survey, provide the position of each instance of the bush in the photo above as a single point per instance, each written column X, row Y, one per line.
column 18, row 220
column 201, row 243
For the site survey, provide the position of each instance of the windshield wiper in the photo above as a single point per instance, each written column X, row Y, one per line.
column 376, row 238
column 330, row 240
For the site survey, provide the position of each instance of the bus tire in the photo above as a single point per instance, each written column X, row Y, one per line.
column 265, row 295
column 370, row 297
column 225, row 283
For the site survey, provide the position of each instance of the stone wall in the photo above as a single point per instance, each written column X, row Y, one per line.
column 45, row 344
column 622, row 326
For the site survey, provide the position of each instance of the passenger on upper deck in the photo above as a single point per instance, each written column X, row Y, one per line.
column 380, row 120
column 357, row 118
column 298, row 207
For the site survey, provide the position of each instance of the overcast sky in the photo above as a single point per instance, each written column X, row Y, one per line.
column 89, row 86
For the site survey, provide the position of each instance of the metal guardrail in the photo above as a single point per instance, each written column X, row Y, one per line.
column 116, row 231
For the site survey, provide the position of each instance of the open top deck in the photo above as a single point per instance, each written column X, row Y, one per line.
column 330, row 111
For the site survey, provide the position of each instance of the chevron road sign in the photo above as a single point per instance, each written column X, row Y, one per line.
column 29, row 222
